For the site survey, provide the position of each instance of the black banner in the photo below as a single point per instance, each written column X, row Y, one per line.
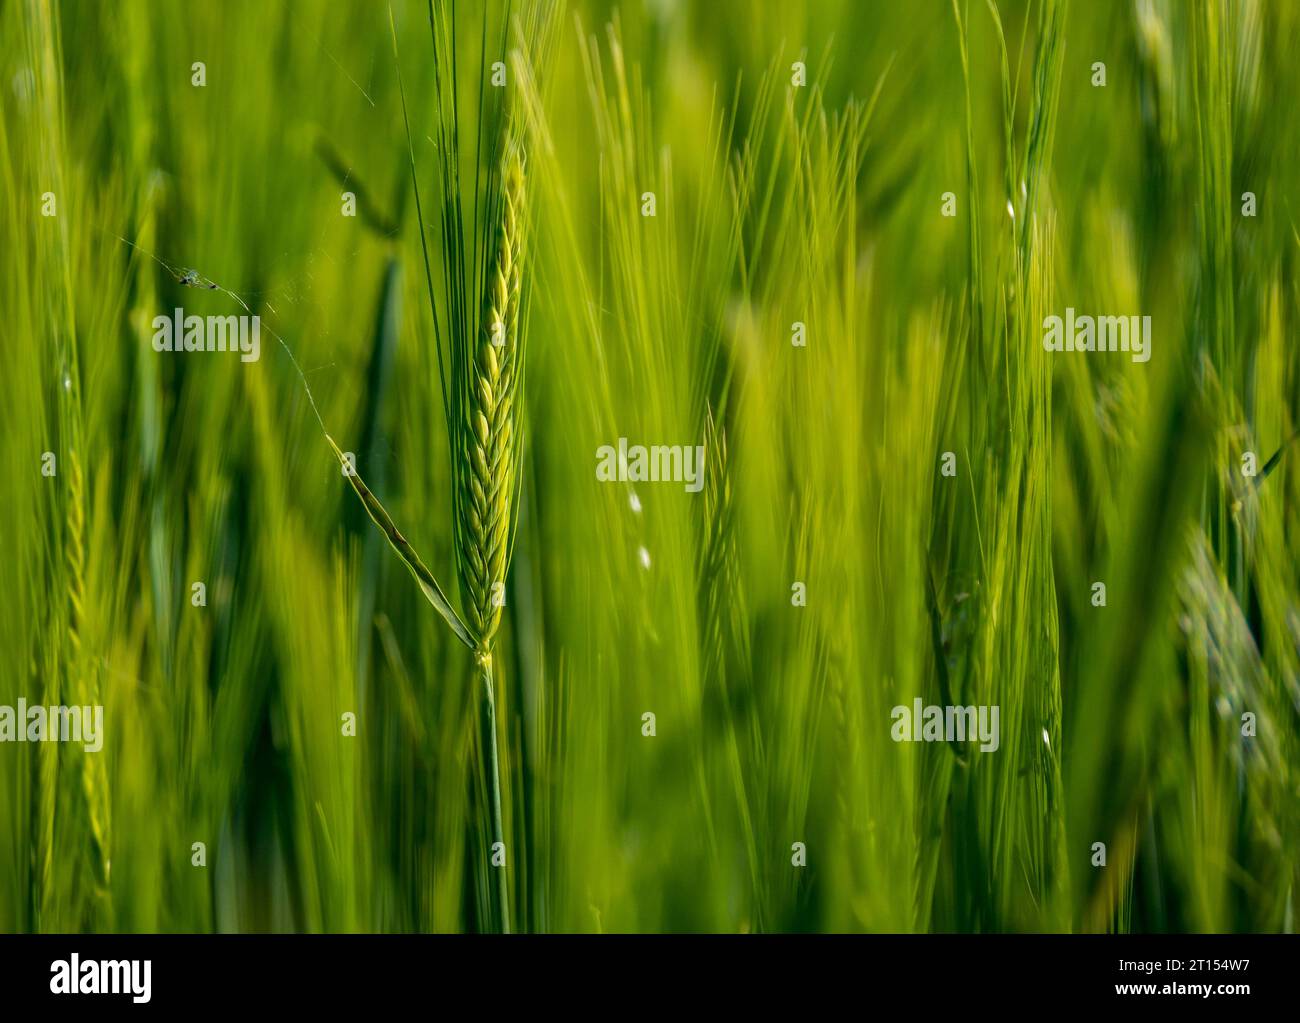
column 168, row 973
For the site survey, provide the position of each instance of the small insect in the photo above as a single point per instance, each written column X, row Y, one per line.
column 191, row 279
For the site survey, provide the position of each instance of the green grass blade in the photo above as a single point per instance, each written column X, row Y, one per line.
column 405, row 551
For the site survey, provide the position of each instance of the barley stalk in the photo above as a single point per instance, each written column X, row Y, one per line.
column 487, row 472
column 481, row 370
column 492, row 766
column 481, row 387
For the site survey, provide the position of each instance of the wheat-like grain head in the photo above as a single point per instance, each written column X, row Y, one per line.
column 488, row 471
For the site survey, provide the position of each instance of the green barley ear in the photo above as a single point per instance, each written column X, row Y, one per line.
column 489, row 464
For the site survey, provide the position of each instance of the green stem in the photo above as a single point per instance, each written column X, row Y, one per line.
column 484, row 659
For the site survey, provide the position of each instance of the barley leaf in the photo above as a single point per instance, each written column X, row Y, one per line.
column 404, row 550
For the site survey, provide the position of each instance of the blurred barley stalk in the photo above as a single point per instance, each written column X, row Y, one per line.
column 71, row 816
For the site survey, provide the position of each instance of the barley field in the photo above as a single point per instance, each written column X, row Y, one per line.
column 649, row 466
